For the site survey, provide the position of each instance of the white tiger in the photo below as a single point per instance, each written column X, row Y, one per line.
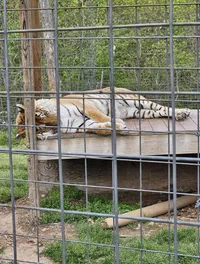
column 91, row 112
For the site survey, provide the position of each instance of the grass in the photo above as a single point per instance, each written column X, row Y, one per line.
column 15, row 143
column 79, row 253
column 75, row 200
column 19, row 170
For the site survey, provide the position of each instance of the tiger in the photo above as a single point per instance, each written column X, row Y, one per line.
column 91, row 112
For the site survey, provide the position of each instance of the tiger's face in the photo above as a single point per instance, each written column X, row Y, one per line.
column 43, row 122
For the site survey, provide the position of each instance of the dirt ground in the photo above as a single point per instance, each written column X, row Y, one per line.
column 27, row 249
column 28, row 237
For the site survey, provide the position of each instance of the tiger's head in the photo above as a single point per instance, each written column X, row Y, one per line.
column 43, row 121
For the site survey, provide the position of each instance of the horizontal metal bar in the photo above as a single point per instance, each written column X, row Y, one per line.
column 103, row 67
column 102, row 245
column 60, row 240
column 86, row 213
column 105, row 187
column 91, row 155
column 85, row 7
column 107, row 38
column 131, row 132
column 170, row 253
column 155, row 92
column 104, row 27
column 190, row 101
column 20, row 261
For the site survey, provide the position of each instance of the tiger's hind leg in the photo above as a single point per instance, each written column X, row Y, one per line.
column 149, row 109
column 180, row 114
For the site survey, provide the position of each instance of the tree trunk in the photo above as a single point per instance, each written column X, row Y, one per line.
column 47, row 22
column 32, row 78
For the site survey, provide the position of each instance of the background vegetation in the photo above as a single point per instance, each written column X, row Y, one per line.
column 141, row 58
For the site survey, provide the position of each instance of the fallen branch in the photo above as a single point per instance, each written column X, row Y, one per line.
column 152, row 211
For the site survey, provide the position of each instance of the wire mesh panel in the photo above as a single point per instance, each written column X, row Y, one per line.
column 99, row 131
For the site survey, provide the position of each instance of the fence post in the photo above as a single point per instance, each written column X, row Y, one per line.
column 32, row 78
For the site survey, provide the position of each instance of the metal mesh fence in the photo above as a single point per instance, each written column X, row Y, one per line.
column 56, row 193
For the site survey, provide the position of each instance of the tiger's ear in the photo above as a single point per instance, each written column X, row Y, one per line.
column 20, row 108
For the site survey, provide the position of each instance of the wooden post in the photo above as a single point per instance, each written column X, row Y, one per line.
column 47, row 22
column 32, row 78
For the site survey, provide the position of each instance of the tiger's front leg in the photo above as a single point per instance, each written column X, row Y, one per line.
column 101, row 124
column 103, row 128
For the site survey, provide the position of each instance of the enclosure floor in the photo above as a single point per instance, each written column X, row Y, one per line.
column 146, row 137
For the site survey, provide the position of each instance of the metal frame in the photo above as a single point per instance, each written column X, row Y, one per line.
column 114, row 158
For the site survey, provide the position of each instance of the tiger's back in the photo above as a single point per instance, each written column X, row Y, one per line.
column 101, row 99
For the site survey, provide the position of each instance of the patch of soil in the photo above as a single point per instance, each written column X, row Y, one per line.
column 31, row 240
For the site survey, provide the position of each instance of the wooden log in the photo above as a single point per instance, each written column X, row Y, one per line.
column 151, row 211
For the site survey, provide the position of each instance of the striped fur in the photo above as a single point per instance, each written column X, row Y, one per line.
column 91, row 112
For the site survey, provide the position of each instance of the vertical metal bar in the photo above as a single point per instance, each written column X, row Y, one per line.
column 198, row 141
column 90, row 47
column 139, row 121
column 7, row 84
column 86, row 183
column 81, row 24
column 64, row 261
column 173, row 130
column 113, row 117
column 169, row 139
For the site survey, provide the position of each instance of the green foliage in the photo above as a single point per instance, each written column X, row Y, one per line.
column 152, row 51
column 15, row 142
column 79, row 253
column 20, row 172
column 75, row 200
column 75, row 51
column 187, row 244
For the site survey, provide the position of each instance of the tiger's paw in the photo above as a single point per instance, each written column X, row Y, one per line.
column 41, row 137
column 118, row 120
column 46, row 135
column 121, row 127
column 182, row 114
